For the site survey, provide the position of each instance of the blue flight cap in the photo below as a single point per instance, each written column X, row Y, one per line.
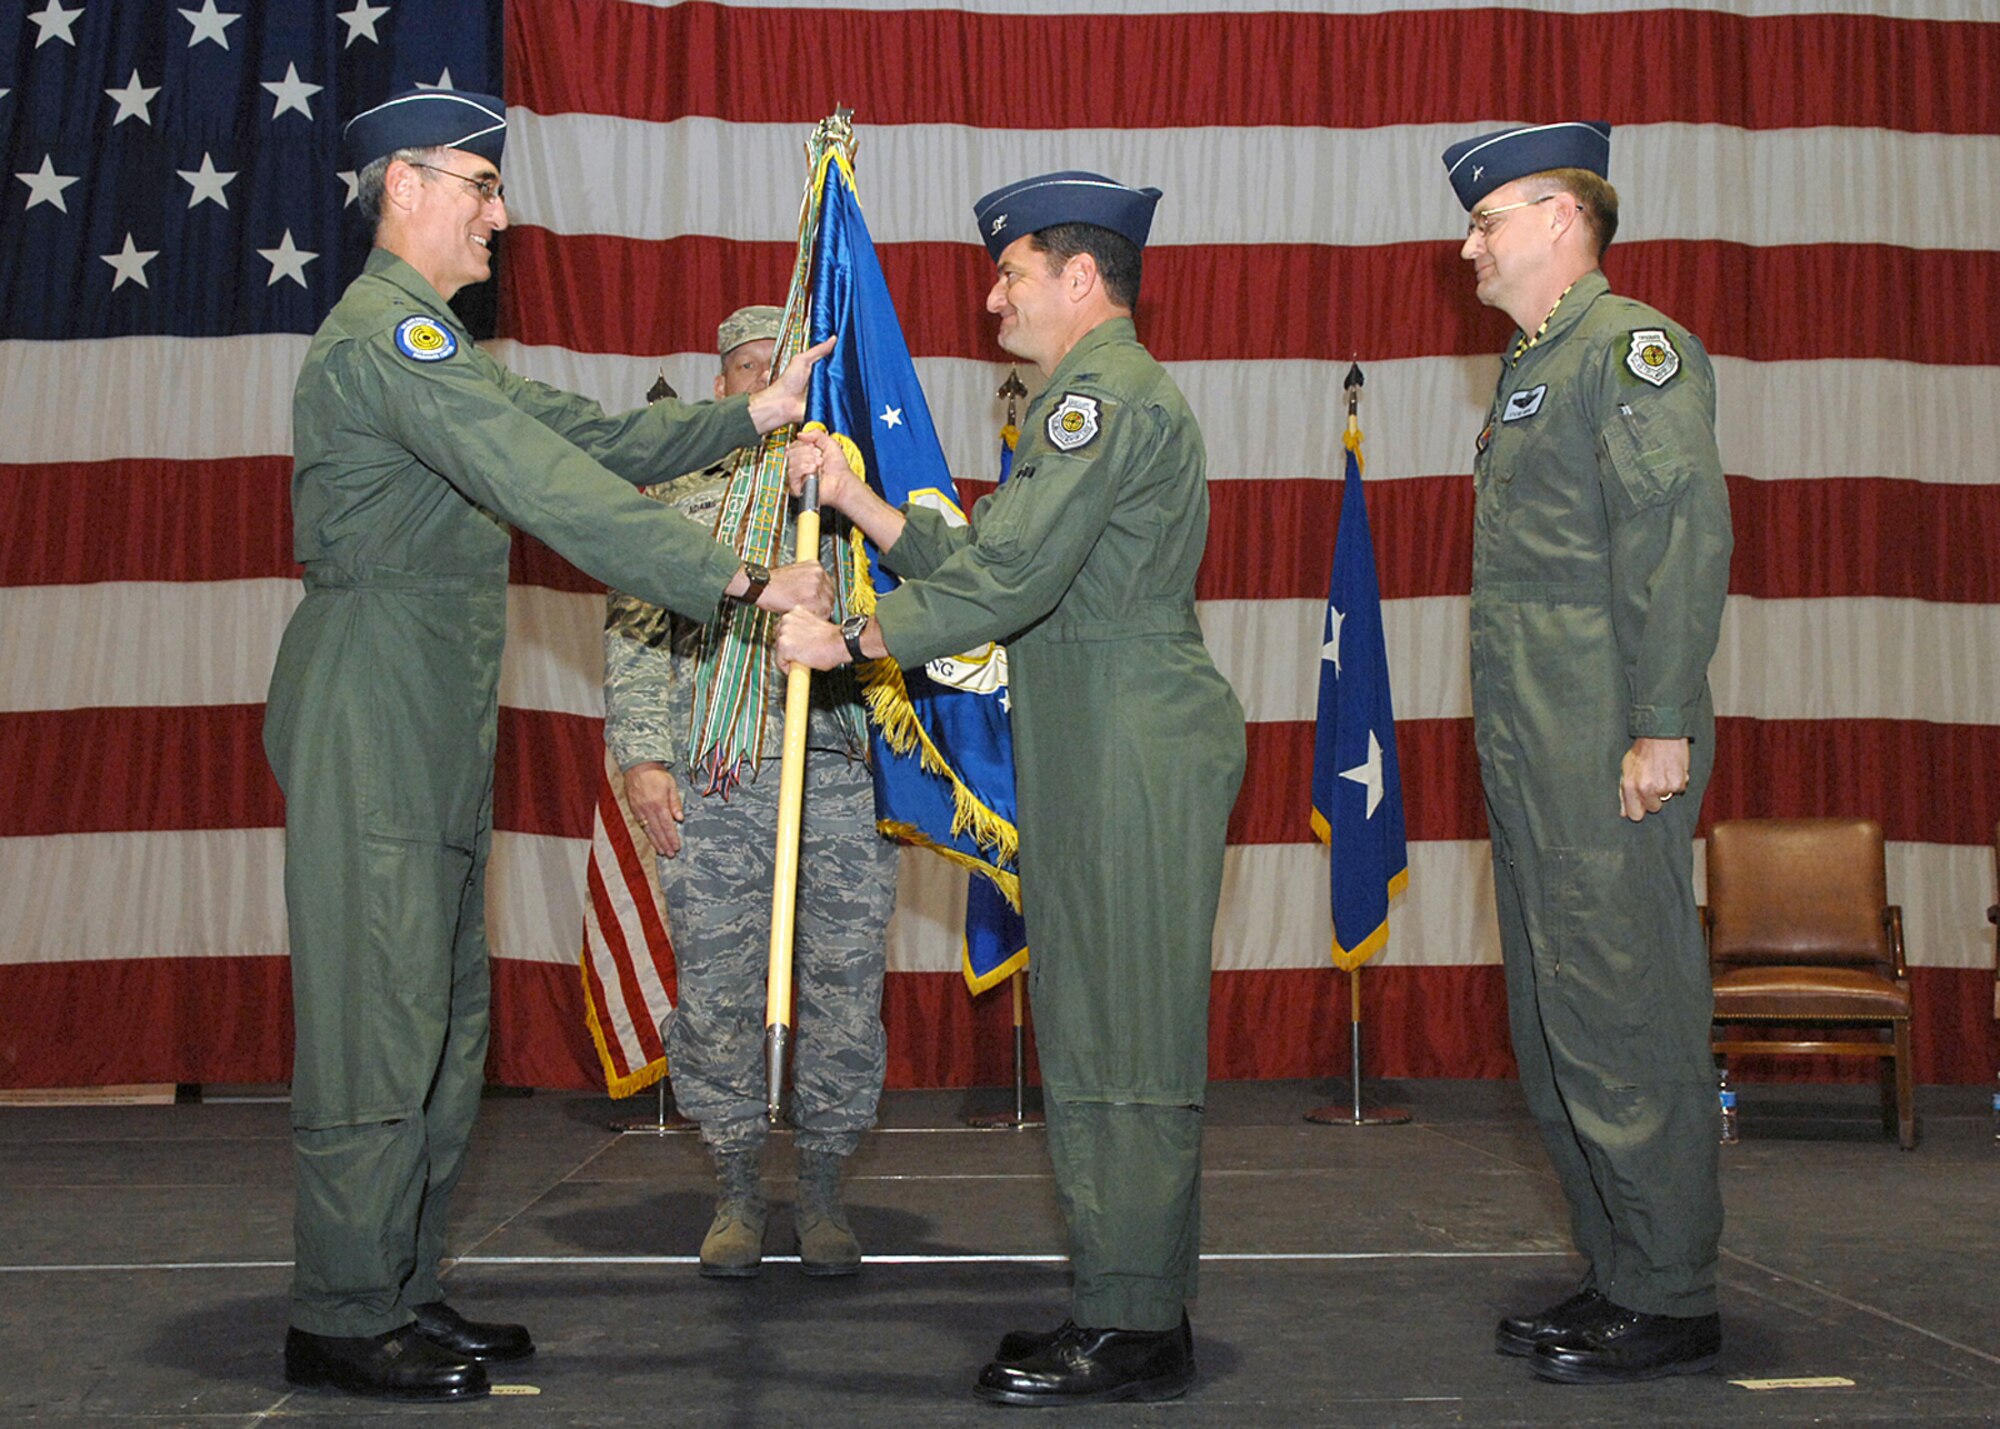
column 1478, row 166
column 428, row 119
column 1071, row 196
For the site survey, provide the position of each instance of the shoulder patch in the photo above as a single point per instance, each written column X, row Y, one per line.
column 1074, row 423
column 1652, row 357
column 425, row 339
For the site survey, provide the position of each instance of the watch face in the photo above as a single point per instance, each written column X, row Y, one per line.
column 850, row 636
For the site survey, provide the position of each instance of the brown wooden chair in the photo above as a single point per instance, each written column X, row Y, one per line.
column 1801, row 938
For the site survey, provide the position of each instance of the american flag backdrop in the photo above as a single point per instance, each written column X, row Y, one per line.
column 1812, row 193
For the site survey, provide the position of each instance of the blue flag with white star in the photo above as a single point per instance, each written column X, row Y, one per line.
column 1357, row 789
column 942, row 739
column 171, row 170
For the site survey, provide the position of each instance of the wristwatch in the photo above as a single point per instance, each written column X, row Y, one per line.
column 759, row 577
column 850, row 635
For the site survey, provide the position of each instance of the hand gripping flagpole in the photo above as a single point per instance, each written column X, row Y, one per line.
column 1357, row 1114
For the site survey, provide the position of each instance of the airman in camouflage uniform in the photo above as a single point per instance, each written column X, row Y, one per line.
column 716, row 870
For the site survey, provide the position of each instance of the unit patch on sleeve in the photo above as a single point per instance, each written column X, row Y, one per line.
column 1525, row 403
column 1652, row 358
column 424, row 339
column 1074, row 423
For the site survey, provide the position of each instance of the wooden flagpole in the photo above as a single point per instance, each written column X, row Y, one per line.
column 785, row 880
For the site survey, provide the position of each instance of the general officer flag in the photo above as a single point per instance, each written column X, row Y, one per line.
column 941, row 735
column 1357, row 787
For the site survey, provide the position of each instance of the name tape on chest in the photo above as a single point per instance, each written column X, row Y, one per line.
column 425, row 339
column 1524, row 404
column 1074, row 424
column 1652, row 357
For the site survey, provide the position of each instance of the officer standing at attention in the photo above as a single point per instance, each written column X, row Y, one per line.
column 716, row 868
column 1128, row 750
column 1601, row 543
column 415, row 452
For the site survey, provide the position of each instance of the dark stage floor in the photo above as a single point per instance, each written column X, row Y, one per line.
column 1351, row 1276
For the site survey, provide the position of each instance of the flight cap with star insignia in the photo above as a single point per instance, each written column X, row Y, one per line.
column 1070, row 196
column 428, row 119
column 747, row 325
column 1481, row 164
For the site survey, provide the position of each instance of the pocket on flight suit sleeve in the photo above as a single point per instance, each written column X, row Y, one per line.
column 1643, row 468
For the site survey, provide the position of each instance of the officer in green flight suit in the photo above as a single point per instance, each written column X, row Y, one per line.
column 1128, row 751
column 415, row 453
column 1601, row 544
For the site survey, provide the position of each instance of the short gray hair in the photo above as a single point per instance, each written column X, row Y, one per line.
column 368, row 184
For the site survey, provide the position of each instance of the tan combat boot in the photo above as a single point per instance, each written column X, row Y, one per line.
column 733, row 1249
column 826, row 1242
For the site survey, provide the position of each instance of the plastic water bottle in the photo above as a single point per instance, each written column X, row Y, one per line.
column 1727, row 1095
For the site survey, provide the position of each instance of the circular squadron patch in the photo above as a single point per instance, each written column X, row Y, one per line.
column 1652, row 358
column 425, row 339
column 1073, row 423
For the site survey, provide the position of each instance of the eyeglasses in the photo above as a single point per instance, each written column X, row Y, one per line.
column 488, row 189
column 1483, row 220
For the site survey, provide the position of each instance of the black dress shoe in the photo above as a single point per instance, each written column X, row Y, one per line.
column 399, row 1365
column 1627, row 1346
column 1083, row 1366
column 474, row 1339
column 1520, row 1334
column 1017, row 1345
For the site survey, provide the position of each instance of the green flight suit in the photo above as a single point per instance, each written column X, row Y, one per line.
column 1128, row 750
column 414, row 453
column 1600, row 561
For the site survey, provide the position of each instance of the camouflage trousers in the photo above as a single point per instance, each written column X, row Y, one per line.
column 718, row 893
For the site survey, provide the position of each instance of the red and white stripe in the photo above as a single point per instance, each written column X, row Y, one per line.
column 1811, row 195
column 628, row 954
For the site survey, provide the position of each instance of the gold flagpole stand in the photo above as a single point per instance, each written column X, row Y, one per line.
column 1358, row 1114
column 1021, row 1117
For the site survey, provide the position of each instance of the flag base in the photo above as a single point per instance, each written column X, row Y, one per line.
column 1357, row 1115
column 1021, row 1117
column 667, row 1122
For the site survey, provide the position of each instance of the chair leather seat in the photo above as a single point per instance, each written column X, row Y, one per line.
column 1805, row 993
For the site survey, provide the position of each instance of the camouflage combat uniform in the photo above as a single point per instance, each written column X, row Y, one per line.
column 718, row 889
